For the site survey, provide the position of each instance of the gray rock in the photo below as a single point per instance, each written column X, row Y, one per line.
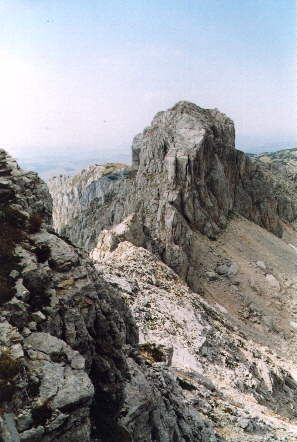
column 8, row 429
column 75, row 350
column 32, row 325
column 76, row 388
column 261, row 265
column 45, row 343
column 38, row 317
column 272, row 282
column 24, row 420
column 212, row 276
column 33, row 434
column 230, row 269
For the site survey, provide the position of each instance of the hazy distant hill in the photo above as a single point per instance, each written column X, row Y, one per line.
column 284, row 161
column 67, row 162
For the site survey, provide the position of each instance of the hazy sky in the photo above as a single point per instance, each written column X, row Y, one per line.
column 88, row 75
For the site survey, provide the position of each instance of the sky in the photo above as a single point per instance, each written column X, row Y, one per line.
column 79, row 79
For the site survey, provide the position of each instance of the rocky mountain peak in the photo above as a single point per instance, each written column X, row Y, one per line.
column 187, row 177
column 182, row 325
column 181, row 131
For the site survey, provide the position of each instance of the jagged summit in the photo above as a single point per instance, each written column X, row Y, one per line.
column 183, row 129
column 190, row 237
column 205, row 115
column 187, row 177
column 188, row 107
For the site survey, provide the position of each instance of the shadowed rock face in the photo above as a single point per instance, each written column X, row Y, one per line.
column 61, row 333
column 95, row 185
column 186, row 177
column 69, row 363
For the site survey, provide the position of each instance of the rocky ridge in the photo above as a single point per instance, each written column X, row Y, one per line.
column 69, row 362
column 187, row 178
column 281, row 166
column 194, row 210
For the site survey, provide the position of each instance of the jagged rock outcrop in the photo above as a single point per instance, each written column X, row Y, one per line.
column 93, row 186
column 69, row 362
column 186, row 177
column 55, row 324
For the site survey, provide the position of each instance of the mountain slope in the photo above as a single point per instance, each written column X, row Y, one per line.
column 231, row 356
column 69, row 360
column 194, row 210
column 187, row 178
column 281, row 166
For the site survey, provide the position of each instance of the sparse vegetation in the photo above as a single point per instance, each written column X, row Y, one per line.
column 35, row 223
column 41, row 413
column 151, row 352
column 9, row 366
column 9, row 369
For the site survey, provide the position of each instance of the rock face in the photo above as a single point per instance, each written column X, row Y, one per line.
column 55, row 323
column 93, row 186
column 187, row 178
column 69, row 363
column 194, row 210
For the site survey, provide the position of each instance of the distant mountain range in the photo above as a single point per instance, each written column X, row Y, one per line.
column 280, row 156
column 70, row 163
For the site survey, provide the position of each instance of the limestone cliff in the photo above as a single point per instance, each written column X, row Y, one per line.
column 199, row 241
column 70, row 368
column 93, row 186
column 187, row 178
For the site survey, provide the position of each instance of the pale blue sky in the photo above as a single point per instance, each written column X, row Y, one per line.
column 88, row 75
